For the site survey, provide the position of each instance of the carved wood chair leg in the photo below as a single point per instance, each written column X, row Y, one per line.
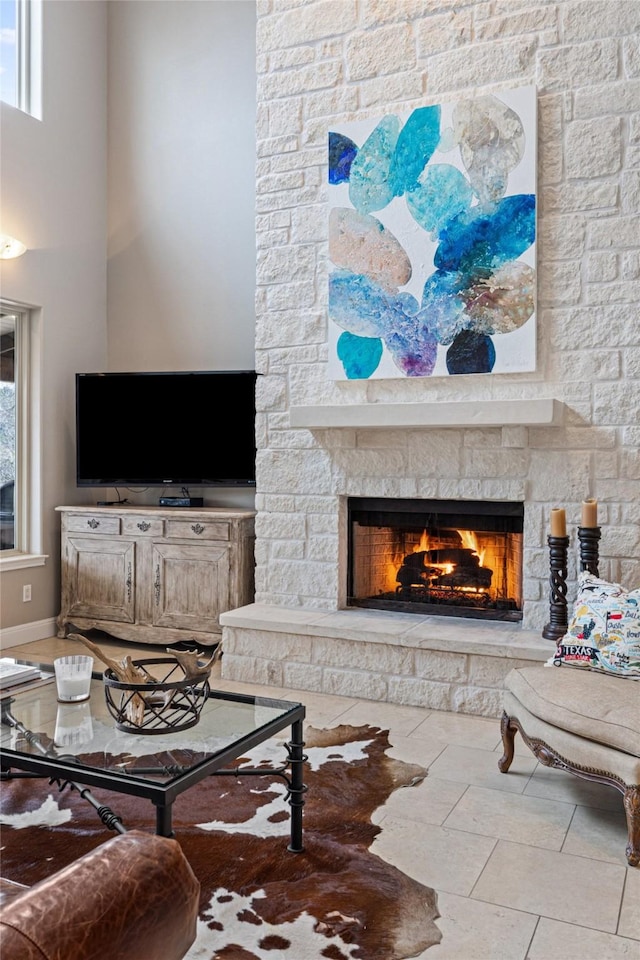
column 631, row 800
column 508, row 731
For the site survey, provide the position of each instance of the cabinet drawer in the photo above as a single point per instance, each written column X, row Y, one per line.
column 198, row 529
column 88, row 523
column 143, row 526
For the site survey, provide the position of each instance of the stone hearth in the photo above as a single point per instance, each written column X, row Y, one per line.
column 442, row 663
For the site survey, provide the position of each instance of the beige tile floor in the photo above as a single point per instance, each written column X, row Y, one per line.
column 527, row 865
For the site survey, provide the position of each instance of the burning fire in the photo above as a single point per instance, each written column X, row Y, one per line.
column 439, row 568
column 424, row 545
column 470, row 541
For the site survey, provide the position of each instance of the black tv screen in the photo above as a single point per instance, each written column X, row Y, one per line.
column 151, row 429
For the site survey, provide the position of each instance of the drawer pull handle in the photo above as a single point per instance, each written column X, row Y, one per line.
column 197, row 528
column 94, row 524
column 128, row 583
column 156, row 585
column 144, row 526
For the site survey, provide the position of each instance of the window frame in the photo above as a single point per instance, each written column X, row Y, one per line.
column 28, row 58
column 27, row 549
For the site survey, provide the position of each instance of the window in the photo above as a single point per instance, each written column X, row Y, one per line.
column 20, row 512
column 20, row 48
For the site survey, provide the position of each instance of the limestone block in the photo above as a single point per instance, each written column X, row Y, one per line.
column 371, row 657
column 304, row 24
column 479, row 702
column 252, row 670
column 567, row 66
column 382, row 51
column 297, row 676
column 583, row 21
column 619, row 232
column 286, row 550
column 284, row 295
column 280, row 526
column 285, row 116
column 324, row 549
column 580, row 197
column 354, row 683
column 376, row 12
column 562, row 237
column 308, row 580
column 295, row 472
column 616, row 403
column 519, row 23
column 419, row 693
column 560, row 282
column 596, row 101
column 491, row 671
column 593, row 148
column 291, row 83
column 436, row 34
column 474, row 66
column 282, row 265
column 292, row 57
column 630, row 265
column 601, row 267
column 631, row 56
column 434, row 665
column 399, row 88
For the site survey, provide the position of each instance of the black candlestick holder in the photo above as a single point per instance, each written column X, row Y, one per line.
column 589, row 538
column 558, row 620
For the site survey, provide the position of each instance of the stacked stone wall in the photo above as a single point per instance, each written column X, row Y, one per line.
column 328, row 61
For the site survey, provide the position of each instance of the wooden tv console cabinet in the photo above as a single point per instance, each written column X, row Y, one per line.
column 154, row 574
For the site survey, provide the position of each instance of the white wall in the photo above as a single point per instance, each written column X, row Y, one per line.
column 181, row 185
column 54, row 199
column 178, row 132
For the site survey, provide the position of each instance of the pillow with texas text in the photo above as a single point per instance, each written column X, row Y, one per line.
column 604, row 630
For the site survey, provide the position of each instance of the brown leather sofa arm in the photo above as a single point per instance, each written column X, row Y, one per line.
column 135, row 896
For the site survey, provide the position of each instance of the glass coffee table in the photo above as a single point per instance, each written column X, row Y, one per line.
column 79, row 744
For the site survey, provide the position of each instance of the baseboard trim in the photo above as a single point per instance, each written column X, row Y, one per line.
column 27, row 633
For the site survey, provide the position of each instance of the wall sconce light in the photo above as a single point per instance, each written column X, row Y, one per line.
column 10, row 247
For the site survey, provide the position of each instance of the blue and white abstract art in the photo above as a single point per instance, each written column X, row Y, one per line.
column 432, row 228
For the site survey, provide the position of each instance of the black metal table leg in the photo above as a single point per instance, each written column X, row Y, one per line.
column 297, row 787
column 164, row 827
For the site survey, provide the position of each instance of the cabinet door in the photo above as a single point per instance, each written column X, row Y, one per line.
column 100, row 578
column 190, row 585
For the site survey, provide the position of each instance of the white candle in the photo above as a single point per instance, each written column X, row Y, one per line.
column 73, row 688
column 73, row 677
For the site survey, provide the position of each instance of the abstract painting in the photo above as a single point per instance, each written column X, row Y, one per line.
column 432, row 229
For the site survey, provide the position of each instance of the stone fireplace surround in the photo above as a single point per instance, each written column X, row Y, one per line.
column 445, row 663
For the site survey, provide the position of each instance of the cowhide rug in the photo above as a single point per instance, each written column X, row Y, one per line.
column 337, row 900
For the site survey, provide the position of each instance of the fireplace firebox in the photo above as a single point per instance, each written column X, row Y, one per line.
column 455, row 558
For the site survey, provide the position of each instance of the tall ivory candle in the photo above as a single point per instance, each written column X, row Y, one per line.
column 558, row 522
column 589, row 513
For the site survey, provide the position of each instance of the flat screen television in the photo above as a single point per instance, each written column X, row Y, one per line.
column 152, row 429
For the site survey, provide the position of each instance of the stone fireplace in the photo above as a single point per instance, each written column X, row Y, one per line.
column 400, row 553
column 551, row 438
column 429, row 598
column 453, row 558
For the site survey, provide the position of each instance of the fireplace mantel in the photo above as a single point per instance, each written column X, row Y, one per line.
column 446, row 413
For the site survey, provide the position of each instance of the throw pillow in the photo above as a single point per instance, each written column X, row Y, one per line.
column 604, row 631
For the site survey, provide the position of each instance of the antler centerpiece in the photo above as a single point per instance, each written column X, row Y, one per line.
column 154, row 695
